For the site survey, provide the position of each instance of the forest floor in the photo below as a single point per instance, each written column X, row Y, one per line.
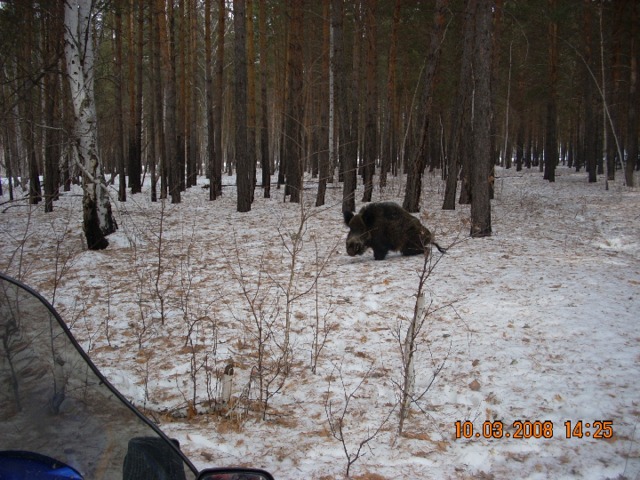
column 538, row 323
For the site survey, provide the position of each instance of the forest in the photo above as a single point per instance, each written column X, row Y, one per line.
column 342, row 91
column 175, row 175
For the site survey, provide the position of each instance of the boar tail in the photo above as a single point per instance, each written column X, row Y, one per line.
column 440, row 249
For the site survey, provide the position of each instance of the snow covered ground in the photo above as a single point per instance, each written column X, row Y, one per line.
column 528, row 329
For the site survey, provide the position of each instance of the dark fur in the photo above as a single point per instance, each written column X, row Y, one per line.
column 383, row 227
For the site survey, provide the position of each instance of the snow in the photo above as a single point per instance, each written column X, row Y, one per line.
column 537, row 323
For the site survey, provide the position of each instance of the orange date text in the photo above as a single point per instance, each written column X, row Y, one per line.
column 497, row 429
column 524, row 429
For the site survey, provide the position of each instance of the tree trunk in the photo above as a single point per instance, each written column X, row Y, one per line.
column 633, row 161
column 551, row 136
column 389, row 152
column 590, row 141
column 29, row 147
column 134, row 160
column 152, row 138
column 193, row 156
column 519, row 107
column 419, row 159
column 53, row 21
column 347, row 144
column 98, row 220
column 370, row 153
column 208, row 87
column 612, row 78
column 165, row 29
column 481, row 124
column 355, row 96
column 464, row 143
column 180, row 48
column 119, row 100
column 265, row 157
column 35, row 188
column 460, row 122
column 323, row 144
column 216, row 178
column 158, row 106
column 295, row 104
column 251, row 97
column 10, row 153
column 243, row 164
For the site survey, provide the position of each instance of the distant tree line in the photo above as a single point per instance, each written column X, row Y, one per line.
column 347, row 91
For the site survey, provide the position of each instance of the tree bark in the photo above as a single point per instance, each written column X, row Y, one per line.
column 193, row 153
column 135, row 57
column 389, row 152
column 460, row 122
column 633, row 161
column 180, row 47
column 120, row 119
column 551, row 136
column 243, row 165
column 323, row 144
column 346, row 143
column 265, row 157
column 481, row 124
column 98, row 220
column 216, row 179
column 295, row 105
column 590, row 140
column 53, row 22
column 165, row 30
column 418, row 161
column 251, row 96
column 157, row 84
column 28, row 114
column 208, row 87
column 370, row 154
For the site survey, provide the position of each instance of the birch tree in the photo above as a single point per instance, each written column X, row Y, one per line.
column 98, row 220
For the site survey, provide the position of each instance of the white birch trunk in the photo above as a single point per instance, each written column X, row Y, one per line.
column 79, row 55
column 227, row 384
column 408, row 361
column 409, row 350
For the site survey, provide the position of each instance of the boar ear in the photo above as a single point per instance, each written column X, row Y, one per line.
column 347, row 216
